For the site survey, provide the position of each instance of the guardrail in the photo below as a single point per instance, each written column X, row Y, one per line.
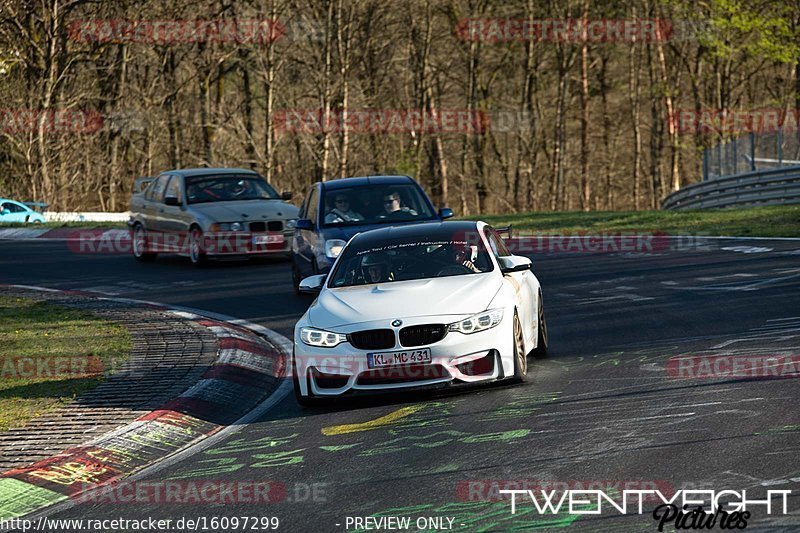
column 55, row 216
column 765, row 187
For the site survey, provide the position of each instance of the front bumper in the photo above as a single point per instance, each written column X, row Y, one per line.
column 457, row 358
column 246, row 243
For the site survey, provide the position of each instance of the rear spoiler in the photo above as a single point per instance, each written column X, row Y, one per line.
column 506, row 230
column 141, row 184
column 36, row 206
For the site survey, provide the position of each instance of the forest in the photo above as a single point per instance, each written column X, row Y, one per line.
column 493, row 106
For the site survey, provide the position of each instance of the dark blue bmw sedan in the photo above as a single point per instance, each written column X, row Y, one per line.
column 334, row 211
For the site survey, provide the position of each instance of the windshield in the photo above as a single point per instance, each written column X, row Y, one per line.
column 375, row 205
column 401, row 261
column 227, row 188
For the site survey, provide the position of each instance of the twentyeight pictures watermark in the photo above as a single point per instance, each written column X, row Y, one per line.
column 685, row 509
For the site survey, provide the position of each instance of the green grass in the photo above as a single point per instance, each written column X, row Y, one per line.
column 51, row 225
column 42, row 332
column 778, row 221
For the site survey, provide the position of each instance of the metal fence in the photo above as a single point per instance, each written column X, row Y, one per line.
column 751, row 153
column 755, row 169
column 765, row 187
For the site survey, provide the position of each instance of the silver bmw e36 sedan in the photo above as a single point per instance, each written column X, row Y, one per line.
column 210, row 212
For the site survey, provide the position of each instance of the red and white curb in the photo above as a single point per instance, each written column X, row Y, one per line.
column 214, row 408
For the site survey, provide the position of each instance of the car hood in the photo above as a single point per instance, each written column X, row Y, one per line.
column 245, row 210
column 453, row 295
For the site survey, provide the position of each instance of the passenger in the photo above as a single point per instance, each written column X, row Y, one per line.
column 392, row 206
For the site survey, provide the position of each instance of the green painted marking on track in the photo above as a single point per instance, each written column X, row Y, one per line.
column 18, row 498
column 340, row 447
column 776, row 431
column 222, row 465
column 244, row 445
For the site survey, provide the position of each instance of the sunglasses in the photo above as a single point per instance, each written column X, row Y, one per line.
column 390, row 200
column 342, row 201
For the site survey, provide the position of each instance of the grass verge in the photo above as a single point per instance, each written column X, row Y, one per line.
column 775, row 221
column 50, row 355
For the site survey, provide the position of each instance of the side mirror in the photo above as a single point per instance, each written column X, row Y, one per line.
column 313, row 284
column 514, row 263
column 445, row 212
column 304, row 223
column 286, row 195
column 172, row 200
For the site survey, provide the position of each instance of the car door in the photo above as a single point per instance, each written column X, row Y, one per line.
column 523, row 285
column 172, row 216
column 307, row 240
column 152, row 213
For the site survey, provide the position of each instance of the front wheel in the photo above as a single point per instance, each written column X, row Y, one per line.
column 520, row 357
column 197, row 253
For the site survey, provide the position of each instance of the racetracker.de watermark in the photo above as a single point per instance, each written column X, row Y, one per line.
column 51, row 367
column 625, row 241
column 381, row 121
column 215, row 243
column 234, row 31
column 50, row 121
column 566, row 30
column 733, row 121
column 184, row 492
column 731, row 366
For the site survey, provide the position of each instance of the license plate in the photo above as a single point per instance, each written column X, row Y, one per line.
column 407, row 357
column 268, row 239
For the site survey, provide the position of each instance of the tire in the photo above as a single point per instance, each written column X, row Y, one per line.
column 197, row 255
column 139, row 245
column 520, row 356
column 540, row 351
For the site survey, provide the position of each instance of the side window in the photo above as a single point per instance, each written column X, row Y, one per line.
column 499, row 248
column 174, row 188
column 155, row 192
column 312, row 205
column 14, row 208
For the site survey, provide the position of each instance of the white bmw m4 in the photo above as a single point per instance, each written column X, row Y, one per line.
column 426, row 305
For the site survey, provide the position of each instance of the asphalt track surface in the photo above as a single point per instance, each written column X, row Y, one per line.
column 602, row 406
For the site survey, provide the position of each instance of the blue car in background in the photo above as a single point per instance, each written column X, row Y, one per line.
column 17, row 212
column 334, row 211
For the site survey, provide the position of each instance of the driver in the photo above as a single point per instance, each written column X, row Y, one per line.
column 342, row 211
column 240, row 189
column 462, row 254
column 375, row 270
column 393, row 205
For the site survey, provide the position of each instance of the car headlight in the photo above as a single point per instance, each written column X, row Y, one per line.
column 321, row 338
column 227, row 226
column 334, row 247
column 480, row 322
column 291, row 223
